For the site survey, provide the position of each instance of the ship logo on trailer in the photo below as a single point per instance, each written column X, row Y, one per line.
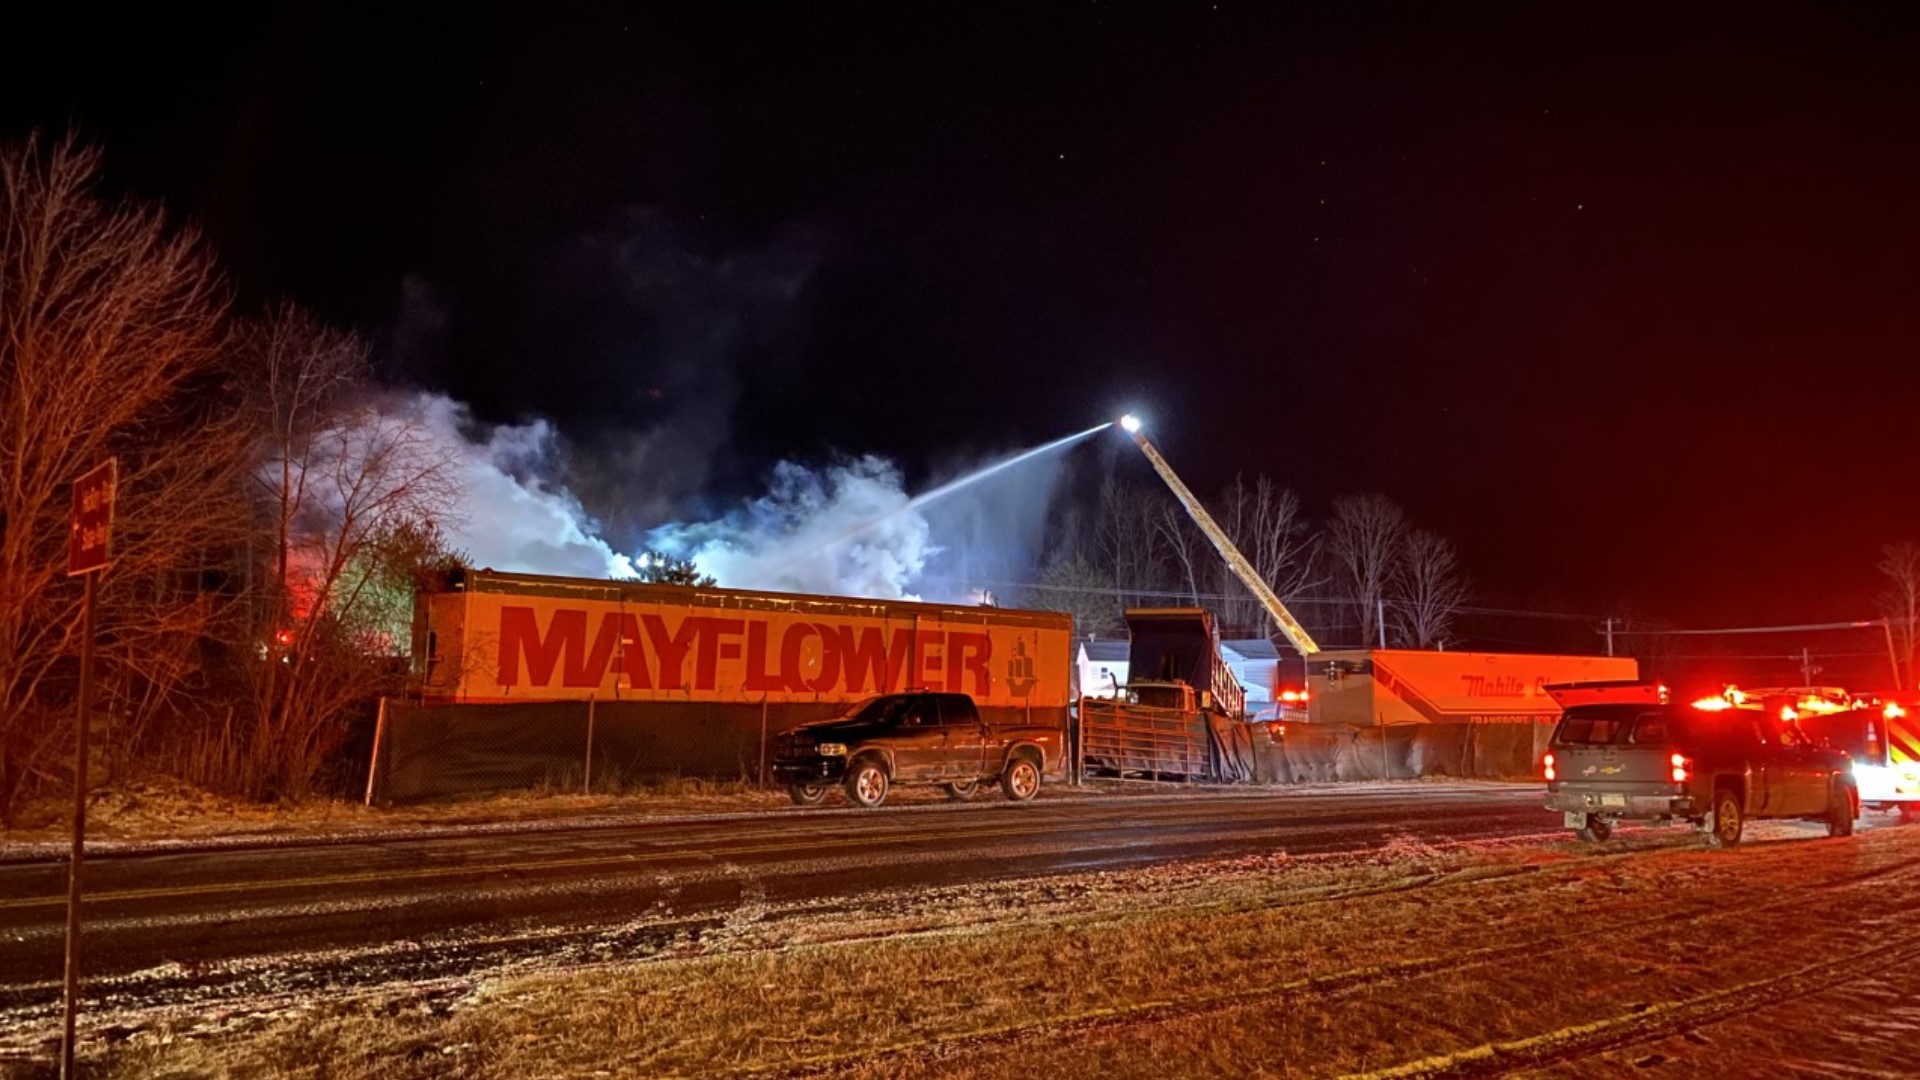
column 1020, row 677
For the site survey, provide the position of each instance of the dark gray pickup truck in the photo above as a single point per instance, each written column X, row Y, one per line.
column 915, row 737
column 1678, row 763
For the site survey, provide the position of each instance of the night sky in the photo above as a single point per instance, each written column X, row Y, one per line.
column 1624, row 303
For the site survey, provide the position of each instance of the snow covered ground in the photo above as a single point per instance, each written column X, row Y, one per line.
column 1648, row 956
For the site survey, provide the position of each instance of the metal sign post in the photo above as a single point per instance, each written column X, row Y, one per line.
column 89, row 552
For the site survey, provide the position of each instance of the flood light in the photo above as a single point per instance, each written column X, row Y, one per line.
column 1130, row 422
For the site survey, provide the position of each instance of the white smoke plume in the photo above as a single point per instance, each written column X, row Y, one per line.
column 852, row 530
column 844, row 530
column 848, row 529
column 512, row 517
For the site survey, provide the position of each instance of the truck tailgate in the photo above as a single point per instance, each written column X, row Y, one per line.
column 1620, row 778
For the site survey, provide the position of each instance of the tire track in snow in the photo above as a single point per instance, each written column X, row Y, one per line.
column 1625, row 921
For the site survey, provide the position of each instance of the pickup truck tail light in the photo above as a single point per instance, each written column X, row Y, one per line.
column 1546, row 765
column 1682, row 768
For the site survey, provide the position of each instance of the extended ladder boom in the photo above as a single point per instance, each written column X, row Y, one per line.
column 1290, row 626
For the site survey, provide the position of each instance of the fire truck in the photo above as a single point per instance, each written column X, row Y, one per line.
column 1879, row 732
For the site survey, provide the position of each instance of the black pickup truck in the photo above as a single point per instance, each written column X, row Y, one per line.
column 915, row 737
column 1713, row 770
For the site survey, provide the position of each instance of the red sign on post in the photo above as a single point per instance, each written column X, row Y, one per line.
column 90, row 543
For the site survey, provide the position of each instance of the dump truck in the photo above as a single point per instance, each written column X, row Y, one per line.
column 626, row 678
column 1181, row 714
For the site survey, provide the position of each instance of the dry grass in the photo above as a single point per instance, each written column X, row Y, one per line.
column 1251, row 967
column 157, row 807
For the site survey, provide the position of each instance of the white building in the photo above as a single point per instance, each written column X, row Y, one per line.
column 1099, row 666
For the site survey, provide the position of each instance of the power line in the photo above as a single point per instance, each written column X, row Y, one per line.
column 1621, row 627
column 1792, row 657
column 1322, row 601
column 1857, row 625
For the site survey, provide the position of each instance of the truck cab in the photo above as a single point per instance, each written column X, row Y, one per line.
column 1167, row 695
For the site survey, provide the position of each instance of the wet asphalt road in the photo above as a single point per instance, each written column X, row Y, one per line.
column 471, row 899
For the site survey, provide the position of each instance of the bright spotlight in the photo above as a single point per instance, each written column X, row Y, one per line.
column 1130, row 422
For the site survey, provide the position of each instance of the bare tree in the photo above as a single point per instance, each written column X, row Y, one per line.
column 354, row 494
column 1071, row 579
column 1186, row 547
column 1267, row 525
column 1073, row 583
column 1129, row 547
column 110, row 345
column 1366, row 538
column 1427, row 589
column 1900, row 604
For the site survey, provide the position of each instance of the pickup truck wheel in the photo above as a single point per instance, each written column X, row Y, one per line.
column 958, row 790
column 1728, row 818
column 1842, row 807
column 1021, row 781
column 867, row 783
column 1595, row 830
column 806, row 794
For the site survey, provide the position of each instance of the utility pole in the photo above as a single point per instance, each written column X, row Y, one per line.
column 1380, row 619
column 1609, row 635
column 1807, row 669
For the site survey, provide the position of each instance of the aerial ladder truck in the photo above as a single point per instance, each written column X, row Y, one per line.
column 1182, row 714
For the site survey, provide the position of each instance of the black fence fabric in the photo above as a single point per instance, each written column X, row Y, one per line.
column 1299, row 753
column 427, row 752
column 435, row 751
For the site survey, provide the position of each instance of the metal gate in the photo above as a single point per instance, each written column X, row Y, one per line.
column 1140, row 742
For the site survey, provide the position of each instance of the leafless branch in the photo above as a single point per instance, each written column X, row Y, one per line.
column 1900, row 604
column 110, row 345
column 1427, row 589
column 1366, row 537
